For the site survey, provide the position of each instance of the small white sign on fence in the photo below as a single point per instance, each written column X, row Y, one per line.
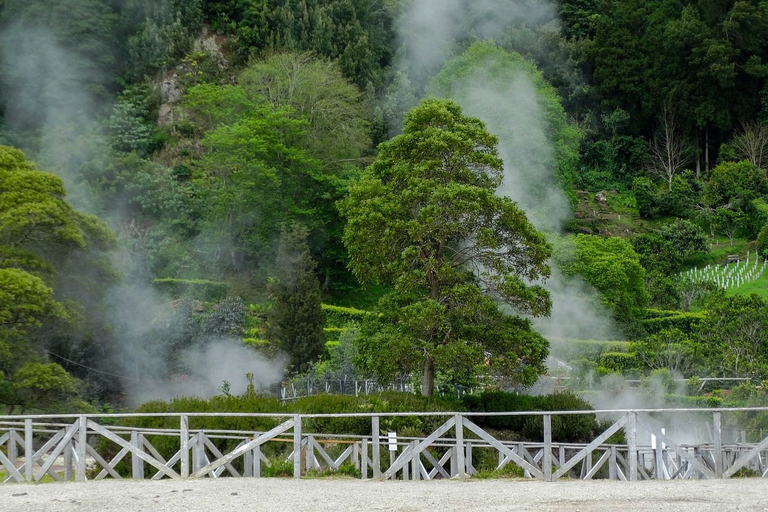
column 392, row 441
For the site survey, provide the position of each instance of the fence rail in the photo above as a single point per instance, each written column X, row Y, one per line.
column 85, row 447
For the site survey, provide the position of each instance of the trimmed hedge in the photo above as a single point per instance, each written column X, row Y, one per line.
column 334, row 333
column 200, row 289
column 340, row 317
column 685, row 322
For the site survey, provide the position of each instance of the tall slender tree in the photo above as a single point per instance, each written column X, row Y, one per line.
column 296, row 319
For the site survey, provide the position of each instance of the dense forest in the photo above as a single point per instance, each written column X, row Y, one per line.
column 201, row 196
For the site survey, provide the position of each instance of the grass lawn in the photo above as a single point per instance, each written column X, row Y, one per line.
column 759, row 286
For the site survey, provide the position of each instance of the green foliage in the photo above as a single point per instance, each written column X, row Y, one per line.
column 669, row 349
column 226, row 319
column 565, row 428
column 432, row 190
column 161, row 34
column 349, row 31
column 686, row 237
column 647, row 196
column 685, row 322
column 610, row 265
column 762, row 242
column 735, row 183
column 338, row 316
column 200, row 289
column 314, row 90
column 735, row 332
column 296, row 320
column 619, row 362
column 131, row 125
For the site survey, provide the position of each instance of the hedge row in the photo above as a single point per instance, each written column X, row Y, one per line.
column 340, row 317
column 685, row 322
column 334, row 333
column 566, row 428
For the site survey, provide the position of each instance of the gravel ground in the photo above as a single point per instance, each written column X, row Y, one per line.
column 276, row 495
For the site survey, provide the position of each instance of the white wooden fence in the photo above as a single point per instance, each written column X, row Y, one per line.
column 83, row 447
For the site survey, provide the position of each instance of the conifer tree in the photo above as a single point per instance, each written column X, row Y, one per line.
column 296, row 319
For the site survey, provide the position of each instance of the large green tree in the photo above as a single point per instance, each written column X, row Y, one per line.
column 426, row 220
column 40, row 235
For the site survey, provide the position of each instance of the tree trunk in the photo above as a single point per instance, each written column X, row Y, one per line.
column 706, row 151
column 428, row 383
column 698, row 157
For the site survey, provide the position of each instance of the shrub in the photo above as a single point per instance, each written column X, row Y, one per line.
column 619, row 361
column 647, row 197
column 565, row 428
column 762, row 242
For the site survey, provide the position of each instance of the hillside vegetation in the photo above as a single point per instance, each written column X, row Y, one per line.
column 202, row 197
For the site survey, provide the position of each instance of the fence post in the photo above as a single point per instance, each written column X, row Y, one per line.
column 364, row 460
column 29, row 450
column 184, row 445
column 297, row 446
column 546, row 460
column 13, row 449
column 82, row 441
column 460, row 464
column 257, row 462
column 718, row 443
column 137, row 465
column 632, row 445
column 376, row 447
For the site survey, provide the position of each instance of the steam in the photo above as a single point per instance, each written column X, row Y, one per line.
column 59, row 100
column 46, row 89
column 430, row 29
column 219, row 365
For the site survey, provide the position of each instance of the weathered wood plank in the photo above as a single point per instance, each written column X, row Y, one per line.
column 134, row 449
column 460, row 461
column 509, row 454
column 266, row 436
column 676, row 448
column 10, row 468
column 57, row 450
column 114, row 462
column 216, row 453
column 376, row 447
column 746, row 458
column 297, row 446
column 598, row 465
column 546, row 463
column 103, row 463
column 602, row 438
column 184, row 445
column 445, row 427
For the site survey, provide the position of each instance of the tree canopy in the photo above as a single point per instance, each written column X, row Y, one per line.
column 425, row 219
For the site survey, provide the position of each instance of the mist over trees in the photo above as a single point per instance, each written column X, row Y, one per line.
column 469, row 184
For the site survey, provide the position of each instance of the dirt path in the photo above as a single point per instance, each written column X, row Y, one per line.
column 276, row 495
